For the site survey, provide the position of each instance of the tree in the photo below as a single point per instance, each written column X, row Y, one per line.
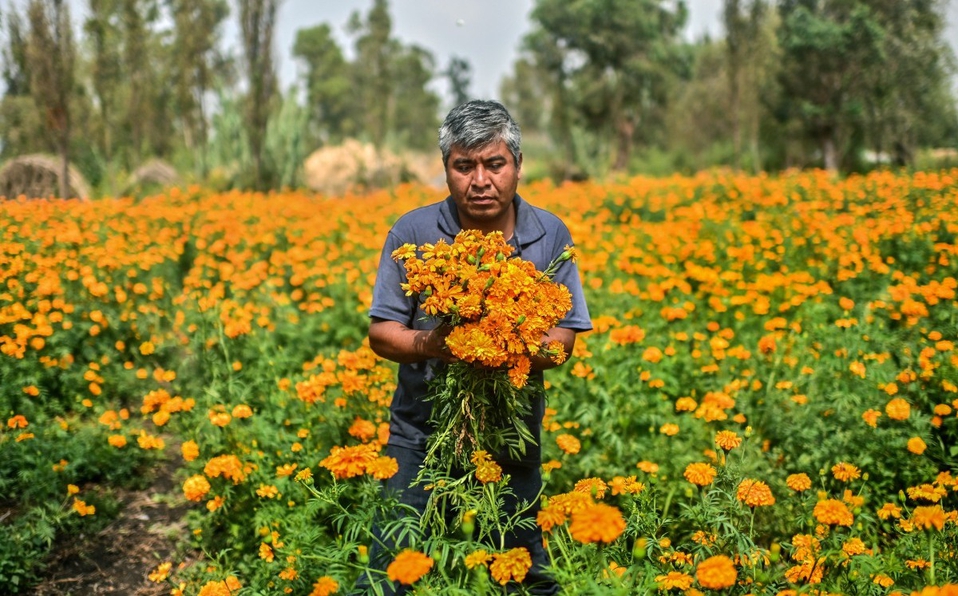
column 618, row 55
column 105, row 38
column 195, row 62
column 257, row 23
column 330, row 96
column 415, row 112
column 459, row 75
column 51, row 55
column 751, row 58
column 829, row 48
column 373, row 68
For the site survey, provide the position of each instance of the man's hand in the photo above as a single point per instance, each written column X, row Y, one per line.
column 394, row 341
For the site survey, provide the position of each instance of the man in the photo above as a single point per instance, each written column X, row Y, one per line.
column 480, row 146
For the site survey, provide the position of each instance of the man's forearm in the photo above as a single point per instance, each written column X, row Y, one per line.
column 394, row 341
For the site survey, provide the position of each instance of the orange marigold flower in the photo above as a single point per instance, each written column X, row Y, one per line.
column 916, row 445
column 844, row 471
column 82, row 508
column 669, row 429
column 325, row 586
column 898, row 409
column 674, row 580
column 550, row 517
column 362, row 429
column 160, row 574
column 727, row 440
column 196, row 487
column 595, row 487
column 716, row 573
column 648, row 467
column 754, row 493
column 477, row 558
column 883, row 580
column 242, row 411
column 928, row 517
column 625, row 485
column 409, row 566
column 871, row 417
column 227, row 587
column 228, row 466
column 699, row 473
column 927, row 492
column 798, row 482
column 18, row 421
column 348, row 462
column 889, row 510
column 383, row 467
column 833, row 512
column 854, row 546
column 596, row 523
column 510, row 565
column 190, row 450
column 568, row 443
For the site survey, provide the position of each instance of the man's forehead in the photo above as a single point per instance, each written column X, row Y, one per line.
column 490, row 150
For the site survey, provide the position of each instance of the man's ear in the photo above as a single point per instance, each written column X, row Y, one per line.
column 519, row 165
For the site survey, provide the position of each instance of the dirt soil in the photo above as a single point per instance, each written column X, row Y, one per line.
column 118, row 559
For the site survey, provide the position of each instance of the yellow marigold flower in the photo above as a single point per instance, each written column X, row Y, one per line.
column 219, row 418
column 833, row 512
column 118, row 441
column 844, row 471
column 716, row 573
column 195, row 487
column 286, row 469
column 568, row 443
column 927, row 492
column 215, row 503
column 727, row 440
column 513, row 564
column 898, row 409
column 699, row 473
column 798, row 482
column 288, row 574
column 325, row 586
column 267, row 491
column 685, row 404
column 674, row 580
column 409, row 566
column 754, row 493
column 477, row 558
column 266, row 552
column 304, row 475
column 596, row 523
column 160, row 574
column 190, row 450
column 383, row 467
column 916, row 445
column 72, row 489
column 147, row 348
column 917, row 564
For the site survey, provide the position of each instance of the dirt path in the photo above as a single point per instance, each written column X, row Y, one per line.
column 118, row 559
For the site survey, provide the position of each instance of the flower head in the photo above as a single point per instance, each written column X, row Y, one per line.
column 409, row 566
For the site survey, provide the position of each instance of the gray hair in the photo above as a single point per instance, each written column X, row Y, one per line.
column 476, row 124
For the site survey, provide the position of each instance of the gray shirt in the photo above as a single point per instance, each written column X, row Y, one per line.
column 539, row 237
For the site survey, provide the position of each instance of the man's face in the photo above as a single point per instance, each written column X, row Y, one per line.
column 483, row 183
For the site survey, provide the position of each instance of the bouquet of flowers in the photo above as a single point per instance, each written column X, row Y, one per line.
column 499, row 309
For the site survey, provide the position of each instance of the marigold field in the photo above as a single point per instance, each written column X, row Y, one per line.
column 767, row 403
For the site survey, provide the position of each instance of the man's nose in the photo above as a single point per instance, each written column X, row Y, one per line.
column 480, row 176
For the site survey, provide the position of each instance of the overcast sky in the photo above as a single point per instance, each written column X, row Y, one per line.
column 487, row 33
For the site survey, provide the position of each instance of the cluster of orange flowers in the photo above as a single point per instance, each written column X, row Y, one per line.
column 499, row 307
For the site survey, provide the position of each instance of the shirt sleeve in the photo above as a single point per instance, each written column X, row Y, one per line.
column 389, row 300
column 577, row 318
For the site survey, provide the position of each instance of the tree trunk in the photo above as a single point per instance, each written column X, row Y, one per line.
column 625, row 129
column 829, row 153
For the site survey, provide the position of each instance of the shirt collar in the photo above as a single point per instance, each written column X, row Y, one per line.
column 528, row 227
